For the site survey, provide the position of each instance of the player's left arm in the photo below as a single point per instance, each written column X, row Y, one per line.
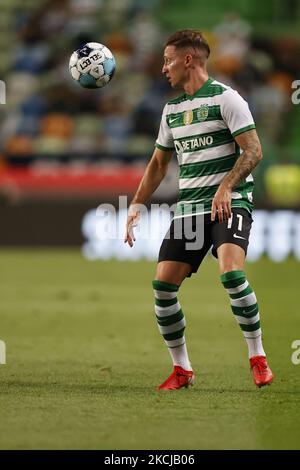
column 251, row 155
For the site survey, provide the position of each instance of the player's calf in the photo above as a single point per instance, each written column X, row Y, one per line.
column 171, row 322
column 245, row 309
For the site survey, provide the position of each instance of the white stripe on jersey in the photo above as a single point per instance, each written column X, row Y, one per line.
column 216, row 82
column 193, row 129
column 208, row 154
column 209, row 180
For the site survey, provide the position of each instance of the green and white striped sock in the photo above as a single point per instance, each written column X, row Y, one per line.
column 171, row 322
column 245, row 309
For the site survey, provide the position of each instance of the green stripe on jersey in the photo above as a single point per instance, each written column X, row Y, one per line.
column 199, row 200
column 214, row 90
column 178, row 100
column 184, row 210
column 243, row 129
column 206, row 91
column 161, row 147
column 222, row 134
column 208, row 192
column 208, row 167
column 200, row 114
column 198, row 142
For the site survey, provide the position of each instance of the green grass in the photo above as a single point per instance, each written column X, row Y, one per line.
column 84, row 357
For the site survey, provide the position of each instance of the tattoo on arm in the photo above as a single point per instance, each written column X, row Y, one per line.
column 250, row 145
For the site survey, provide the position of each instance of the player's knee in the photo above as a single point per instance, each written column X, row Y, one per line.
column 229, row 267
column 172, row 277
column 172, row 272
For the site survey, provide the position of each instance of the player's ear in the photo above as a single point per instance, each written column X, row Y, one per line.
column 188, row 59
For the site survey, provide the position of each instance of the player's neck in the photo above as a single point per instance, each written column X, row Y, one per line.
column 195, row 81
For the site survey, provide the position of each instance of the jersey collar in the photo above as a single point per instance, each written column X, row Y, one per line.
column 202, row 90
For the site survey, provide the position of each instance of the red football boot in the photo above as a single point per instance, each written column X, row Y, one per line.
column 262, row 374
column 178, row 379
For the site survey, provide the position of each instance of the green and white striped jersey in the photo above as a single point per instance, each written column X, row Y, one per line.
column 201, row 129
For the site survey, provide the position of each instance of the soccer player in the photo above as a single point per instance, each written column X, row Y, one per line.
column 213, row 132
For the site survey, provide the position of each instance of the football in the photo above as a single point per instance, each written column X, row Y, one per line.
column 92, row 65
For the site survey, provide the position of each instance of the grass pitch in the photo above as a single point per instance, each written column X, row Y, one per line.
column 84, row 357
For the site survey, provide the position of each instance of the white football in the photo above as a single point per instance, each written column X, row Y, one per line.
column 93, row 65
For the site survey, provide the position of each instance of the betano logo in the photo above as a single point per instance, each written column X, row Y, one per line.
column 193, row 144
column 2, row 92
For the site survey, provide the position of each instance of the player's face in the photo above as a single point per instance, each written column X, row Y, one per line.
column 174, row 67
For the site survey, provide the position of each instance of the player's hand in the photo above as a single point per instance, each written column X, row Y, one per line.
column 132, row 221
column 221, row 204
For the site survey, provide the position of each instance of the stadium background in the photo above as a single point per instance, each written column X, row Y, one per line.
column 64, row 150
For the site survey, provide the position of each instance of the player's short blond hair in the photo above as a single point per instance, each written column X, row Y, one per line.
column 189, row 38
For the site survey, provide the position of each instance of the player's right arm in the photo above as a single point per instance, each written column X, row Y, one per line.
column 153, row 176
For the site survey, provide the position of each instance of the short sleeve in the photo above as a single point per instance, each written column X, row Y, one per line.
column 165, row 138
column 236, row 113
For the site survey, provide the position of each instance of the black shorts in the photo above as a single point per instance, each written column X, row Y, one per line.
column 189, row 239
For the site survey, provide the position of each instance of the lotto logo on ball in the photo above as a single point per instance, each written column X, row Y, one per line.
column 93, row 65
